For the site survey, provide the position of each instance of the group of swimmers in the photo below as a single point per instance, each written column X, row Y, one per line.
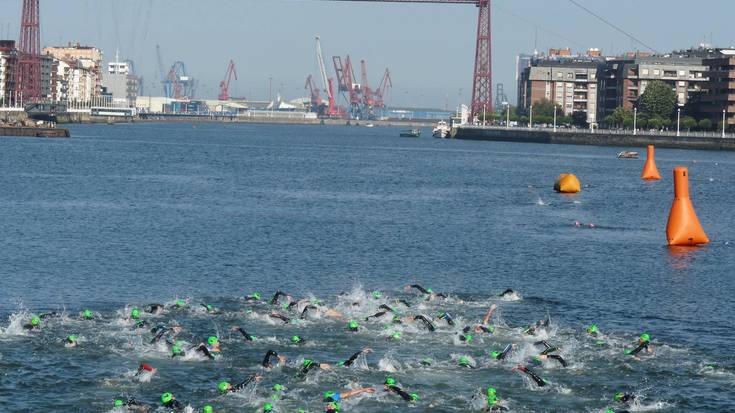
column 284, row 309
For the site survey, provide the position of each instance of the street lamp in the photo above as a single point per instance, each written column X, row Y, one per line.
column 554, row 118
column 507, row 116
column 678, row 121
column 635, row 121
column 530, row 119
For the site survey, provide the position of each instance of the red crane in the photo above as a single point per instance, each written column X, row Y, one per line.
column 316, row 99
column 29, row 76
column 482, row 75
column 224, row 85
column 367, row 94
column 382, row 90
column 345, row 81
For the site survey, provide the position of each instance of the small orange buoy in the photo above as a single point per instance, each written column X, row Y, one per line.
column 650, row 172
column 567, row 184
column 683, row 227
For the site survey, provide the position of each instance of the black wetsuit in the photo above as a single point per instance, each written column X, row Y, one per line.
column 174, row 405
column 506, row 292
column 404, row 302
column 627, row 398
column 349, row 361
column 426, row 321
column 243, row 383
column 276, row 296
column 376, row 315
column 505, row 352
column 154, row 308
column 559, row 359
column 245, row 334
column 638, row 349
column 133, row 404
column 539, row 381
column 386, row 308
column 397, row 390
column 205, row 350
column 267, row 359
column 306, row 309
column 160, row 332
column 281, row 317
column 306, row 369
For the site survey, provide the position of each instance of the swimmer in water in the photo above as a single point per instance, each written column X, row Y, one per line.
column 162, row 331
column 391, row 386
column 211, row 349
column 269, row 355
column 278, row 295
column 145, row 369
column 644, row 344
column 466, row 362
column 87, row 315
column 349, row 361
column 333, row 398
column 485, row 325
column 209, row 308
column 310, row 365
column 225, row 387
column 180, row 304
column 281, row 317
column 71, row 341
column 426, row 291
column 530, row 373
column 502, row 354
column 429, row 325
column 155, row 309
column 130, row 403
column 245, row 334
column 169, row 401
column 621, row 397
column 533, row 329
column 34, row 324
column 446, row 317
column 493, row 401
column 506, row 293
column 297, row 339
column 253, row 297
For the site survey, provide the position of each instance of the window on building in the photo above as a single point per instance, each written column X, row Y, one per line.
column 682, row 73
column 570, row 75
column 645, row 72
column 656, row 72
column 682, row 83
column 681, row 97
column 559, row 75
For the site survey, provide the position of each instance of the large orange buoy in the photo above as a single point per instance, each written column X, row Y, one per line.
column 683, row 227
column 650, row 172
column 567, row 184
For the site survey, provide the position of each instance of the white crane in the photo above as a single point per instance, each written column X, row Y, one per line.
column 322, row 69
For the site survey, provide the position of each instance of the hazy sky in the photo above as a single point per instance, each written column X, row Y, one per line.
column 428, row 48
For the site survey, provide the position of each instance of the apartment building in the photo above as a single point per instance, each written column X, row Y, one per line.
column 720, row 96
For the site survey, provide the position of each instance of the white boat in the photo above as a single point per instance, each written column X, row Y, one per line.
column 441, row 130
column 369, row 125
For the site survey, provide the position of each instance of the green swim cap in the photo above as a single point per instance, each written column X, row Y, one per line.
column 277, row 387
column 135, row 314
column 464, row 361
column 334, row 406
column 207, row 409
column 592, row 329
column 212, row 340
column 600, row 342
column 468, row 337
column 491, row 391
column 176, row 350
column 307, row 363
column 118, row 403
column 618, row 396
column 255, row 295
column 429, row 290
column 87, row 314
column 35, row 321
column 352, row 325
column 396, row 335
column 209, row 307
column 166, row 397
column 495, row 354
column 645, row 338
column 180, row 302
column 492, row 400
column 390, row 381
column 268, row 407
column 72, row 338
column 376, row 294
column 426, row 361
column 328, row 394
column 414, row 397
column 223, row 386
column 296, row 339
column 609, row 411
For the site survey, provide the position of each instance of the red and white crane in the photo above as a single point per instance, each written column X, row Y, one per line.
column 316, row 99
column 224, row 85
column 326, row 82
column 382, row 90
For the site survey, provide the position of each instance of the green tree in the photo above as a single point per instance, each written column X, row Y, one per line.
column 545, row 107
column 659, row 100
column 705, row 124
column 688, row 122
column 656, row 122
column 579, row 119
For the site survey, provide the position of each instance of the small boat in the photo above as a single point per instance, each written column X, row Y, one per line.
column 441, row 130
column 411, row 133
column 369, row 125
column 628, row 155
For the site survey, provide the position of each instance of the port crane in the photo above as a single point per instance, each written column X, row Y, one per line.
column 482, row 93
column 316, row 99
column 327, row 83
column 382, row 90
column 224, row 85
